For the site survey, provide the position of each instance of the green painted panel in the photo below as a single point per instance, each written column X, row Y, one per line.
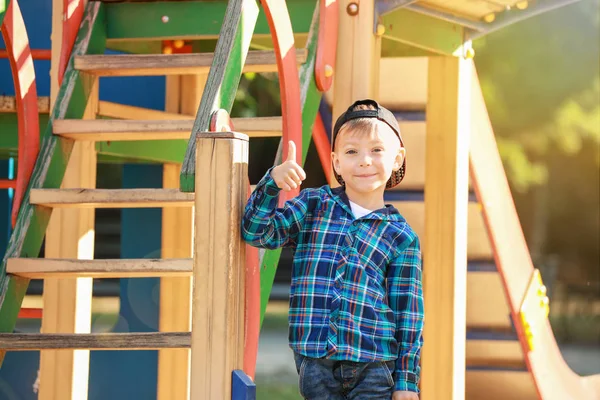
column 160, row 151
column 144, row 20
column 9, row 130
column 423, row 32
column 310, row 98
column 223, row 78
column 49, row 169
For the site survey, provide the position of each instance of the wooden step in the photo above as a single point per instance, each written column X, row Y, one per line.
column 501, row 354
column 111, row 198
column 499, row 385
column 40, row 268
column 171, row 64
column 487, row 307
column 94, row 341
column 127, row 130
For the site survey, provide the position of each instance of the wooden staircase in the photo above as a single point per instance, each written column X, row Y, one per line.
column 70, row 126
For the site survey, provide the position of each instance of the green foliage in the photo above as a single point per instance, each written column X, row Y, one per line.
column 541, row 85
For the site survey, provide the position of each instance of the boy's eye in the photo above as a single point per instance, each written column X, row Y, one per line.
column 377, row 149
column 350, row 151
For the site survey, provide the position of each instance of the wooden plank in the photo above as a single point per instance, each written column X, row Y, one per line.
column 499, row 385
column 171, row 64
column 310, row 97
column 94, row 341
column 242, row 387
column 124, row 111
column 129, row 130
column 219, row 266
column 445, row 239
column 42, row 268
column 8, row 104
column 223, row 79
column 500, row 354
column 30, row 228
column 478, row 244
column 111, row 198
column 183, row 94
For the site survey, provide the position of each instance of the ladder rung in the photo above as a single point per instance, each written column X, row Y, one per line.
column 172, row 64
column 92, row 341
column 40, row 268
column 111, row 198
column 128, row 130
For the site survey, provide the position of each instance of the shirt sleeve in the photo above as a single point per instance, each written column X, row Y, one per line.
column 405, row 294
column 266, row 226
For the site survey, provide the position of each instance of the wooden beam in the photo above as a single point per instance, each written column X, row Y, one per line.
column 111, row 198
column 183, row 95
column 42, row 268
column 171, row 64
column 403, row 83
column 219, row 264
column 134, row 130
column 445, row 241
column 357, row 65
column 94, row 341
column 68, row 302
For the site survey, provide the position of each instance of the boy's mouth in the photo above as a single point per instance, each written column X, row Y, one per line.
column 365, row 175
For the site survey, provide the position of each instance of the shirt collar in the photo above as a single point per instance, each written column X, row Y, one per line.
column 387, row 213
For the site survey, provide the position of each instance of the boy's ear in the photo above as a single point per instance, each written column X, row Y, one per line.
column 399, row 158
column 335, row 161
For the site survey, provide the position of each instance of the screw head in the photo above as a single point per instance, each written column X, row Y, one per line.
column 328, row 71
column 352, row 9
column 165, row 19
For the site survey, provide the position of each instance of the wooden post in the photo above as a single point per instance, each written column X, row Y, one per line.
column 357, row 61
column 183, row 94
column 445, row 241
column 68, row 302
column 219, row 263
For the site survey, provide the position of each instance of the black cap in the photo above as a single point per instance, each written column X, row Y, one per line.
column 381, row 113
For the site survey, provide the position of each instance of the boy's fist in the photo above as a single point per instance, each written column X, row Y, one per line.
column 401, row 395
column 289, row 175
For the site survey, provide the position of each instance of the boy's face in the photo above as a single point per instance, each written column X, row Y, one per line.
column 366, row 160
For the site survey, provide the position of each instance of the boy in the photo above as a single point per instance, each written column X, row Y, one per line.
column 356, row 304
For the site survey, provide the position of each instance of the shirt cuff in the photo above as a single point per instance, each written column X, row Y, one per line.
column 406, row 381
column 268, row 184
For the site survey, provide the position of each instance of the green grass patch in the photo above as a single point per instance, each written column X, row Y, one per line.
column 272, row 391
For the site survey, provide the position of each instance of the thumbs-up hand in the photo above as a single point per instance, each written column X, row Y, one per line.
column 288, row 175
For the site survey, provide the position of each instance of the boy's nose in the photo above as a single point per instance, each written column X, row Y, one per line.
column 365, row 160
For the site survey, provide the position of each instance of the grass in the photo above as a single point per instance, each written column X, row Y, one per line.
column 272, row 391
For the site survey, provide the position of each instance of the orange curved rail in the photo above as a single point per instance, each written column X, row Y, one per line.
column 21, row 64
column 282, row 35
column 326, row 48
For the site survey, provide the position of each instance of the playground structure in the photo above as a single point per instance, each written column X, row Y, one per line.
column 487, row 335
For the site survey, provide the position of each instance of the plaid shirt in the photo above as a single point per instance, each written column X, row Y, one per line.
column 356, row 290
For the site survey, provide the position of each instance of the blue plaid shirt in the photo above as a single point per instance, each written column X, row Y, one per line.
column 356, row 291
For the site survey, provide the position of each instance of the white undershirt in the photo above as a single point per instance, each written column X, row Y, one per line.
column 358, row 211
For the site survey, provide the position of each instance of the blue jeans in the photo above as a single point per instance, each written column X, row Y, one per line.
column 323, row 379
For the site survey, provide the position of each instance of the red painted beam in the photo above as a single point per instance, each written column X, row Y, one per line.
column 21, row 64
